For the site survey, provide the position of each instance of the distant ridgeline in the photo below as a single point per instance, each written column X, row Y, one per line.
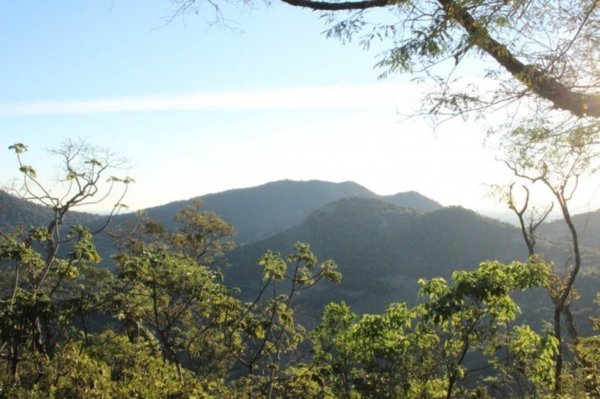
column 259, row 212
column 382, row 244
column 19, row 213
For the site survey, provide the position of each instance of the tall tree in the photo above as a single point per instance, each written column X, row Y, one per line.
column 168, row 294
column 539, row 154
column 39, row 265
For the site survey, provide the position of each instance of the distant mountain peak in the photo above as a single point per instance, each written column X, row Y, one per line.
column 414, row 200
column 256, row 212
column 382, row 249
column 261, row 211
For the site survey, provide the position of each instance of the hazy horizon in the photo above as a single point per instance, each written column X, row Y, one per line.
column 199, row 109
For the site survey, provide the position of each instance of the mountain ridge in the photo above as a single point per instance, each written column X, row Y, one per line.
column 256, row 212
column 275, row 206
column 382, row 249
column 587, row 225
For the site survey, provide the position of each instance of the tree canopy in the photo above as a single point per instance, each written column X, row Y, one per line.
column 161, row 322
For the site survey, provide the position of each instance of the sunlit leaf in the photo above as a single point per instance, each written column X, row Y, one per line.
column 19, row 148
column 28, row 170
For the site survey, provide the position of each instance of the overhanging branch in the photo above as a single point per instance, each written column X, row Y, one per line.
column 538, row 81
column 334, row 6
column 534, row 78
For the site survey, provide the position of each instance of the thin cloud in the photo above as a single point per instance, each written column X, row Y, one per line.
column 376, row 96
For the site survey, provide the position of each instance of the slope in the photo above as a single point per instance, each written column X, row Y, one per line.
column 587, row 225
column 382, row 250
column 18, row 213
column 261, row 211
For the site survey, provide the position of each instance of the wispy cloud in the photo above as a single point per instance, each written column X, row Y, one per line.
column 373, row 96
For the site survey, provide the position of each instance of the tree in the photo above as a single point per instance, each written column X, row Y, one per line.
column 184, row 331
column 38, row 300
column 587, row 351
column 272, row 332
column 109, row 366
column 203, row 236
column 537, row 153
column 437, row 348
column 169, row 294
column 180, row 307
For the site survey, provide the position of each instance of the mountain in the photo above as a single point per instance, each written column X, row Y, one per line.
column 256, row 212
column 16, row 212
column 261, row 211
column 587, row 225
column 414, row 200
column 382, row 244
column 382, row 250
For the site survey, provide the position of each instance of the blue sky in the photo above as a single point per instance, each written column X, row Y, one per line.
column 201, row 108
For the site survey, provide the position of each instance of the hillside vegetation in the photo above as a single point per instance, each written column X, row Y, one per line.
column 421, row 301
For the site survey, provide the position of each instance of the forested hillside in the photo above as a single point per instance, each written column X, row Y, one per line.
column 259, row 212
column 18, row 213
column 390, row 289
column 394, row 240
column 588, row 226
column 382, row 250
column 299, row 289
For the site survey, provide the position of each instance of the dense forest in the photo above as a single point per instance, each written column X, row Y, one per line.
column 293, row 290
column 170, row 311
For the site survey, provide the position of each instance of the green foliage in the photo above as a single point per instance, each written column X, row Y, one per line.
column 424, row 351
column 40, row 295
column 582, row 377
column 272, row 334
column 294, row 382
column 164, row 324
column 377, row 356
column 19, row 148
column 109, row 366
column 138, row 371
column 202, row 235
column 486, row 290
column 533, row 355
column 274, row 268
column 181, row 305
column 585, row 373
column 307, row 269
column 185, row 332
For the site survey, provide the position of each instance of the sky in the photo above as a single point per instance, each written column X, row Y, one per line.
column 198, row 107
